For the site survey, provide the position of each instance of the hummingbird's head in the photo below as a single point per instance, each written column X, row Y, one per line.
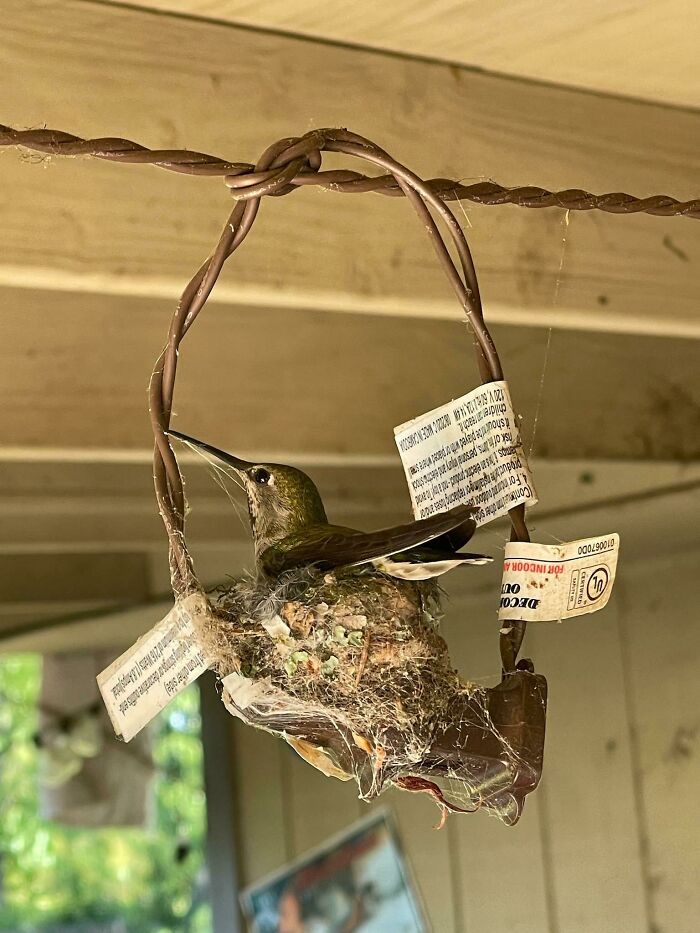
column 281, row 499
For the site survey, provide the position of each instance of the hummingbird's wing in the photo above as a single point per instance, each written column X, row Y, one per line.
column 455, row 538
column 329, row 546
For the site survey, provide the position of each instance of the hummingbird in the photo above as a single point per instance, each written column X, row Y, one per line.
column 291, row 530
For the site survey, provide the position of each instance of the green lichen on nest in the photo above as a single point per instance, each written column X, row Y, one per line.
column 356, row 644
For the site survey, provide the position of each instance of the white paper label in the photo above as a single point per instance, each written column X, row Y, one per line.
column 551, row 582
column 468, row 451
column 143, row 680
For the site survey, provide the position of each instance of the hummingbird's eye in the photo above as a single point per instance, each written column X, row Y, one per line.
column 261, row 476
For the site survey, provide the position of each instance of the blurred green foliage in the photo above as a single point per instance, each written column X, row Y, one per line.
column 56, row 879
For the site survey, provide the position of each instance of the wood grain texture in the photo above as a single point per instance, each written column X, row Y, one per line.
column 52, row 507
column 71, row 523
column 109, row 578
column 168, row 81
column 262, row 812
column 592, row 826
column 658, row 601
column 429, row 856
column 94, row 630
column 485, row 852
column 319, row 807
column 640, row 49
column 290, row 384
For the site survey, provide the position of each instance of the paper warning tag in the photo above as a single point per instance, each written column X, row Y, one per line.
column 143, row 680
column 467, row 451
column 551, row 582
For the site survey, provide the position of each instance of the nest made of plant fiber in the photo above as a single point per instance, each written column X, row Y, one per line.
column 359, row 646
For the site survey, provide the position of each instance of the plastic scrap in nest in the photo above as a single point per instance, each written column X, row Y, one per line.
column 349, row 668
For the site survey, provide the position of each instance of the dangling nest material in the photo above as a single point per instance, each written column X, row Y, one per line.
column 350, row 669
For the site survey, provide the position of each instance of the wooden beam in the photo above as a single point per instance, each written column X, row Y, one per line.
column 36, row 587
column 71, row 555
column 56, row 508
column 116, row 630
column 168, row 81
column 662, row 522
column 267, row 383
column 560, row 43
column 109, row 578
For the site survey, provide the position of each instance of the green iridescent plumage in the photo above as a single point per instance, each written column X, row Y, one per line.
column 290, row 528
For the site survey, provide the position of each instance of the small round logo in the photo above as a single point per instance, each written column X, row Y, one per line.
column 597, row 583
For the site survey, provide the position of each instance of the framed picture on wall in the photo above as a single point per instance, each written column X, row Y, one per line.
column 356, row 882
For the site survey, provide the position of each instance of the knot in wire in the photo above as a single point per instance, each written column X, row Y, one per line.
column 276, row 171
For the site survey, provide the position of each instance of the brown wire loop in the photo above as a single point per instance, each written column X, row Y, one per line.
column 284, row 167
column 280, row 169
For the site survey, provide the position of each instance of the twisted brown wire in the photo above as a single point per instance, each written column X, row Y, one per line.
column 285, row 165
column 242, row 176
column 272, row 176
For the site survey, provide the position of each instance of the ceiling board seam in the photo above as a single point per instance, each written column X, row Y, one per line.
column 390, row 53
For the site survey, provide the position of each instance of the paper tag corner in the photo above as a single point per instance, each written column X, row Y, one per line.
column 141, row 682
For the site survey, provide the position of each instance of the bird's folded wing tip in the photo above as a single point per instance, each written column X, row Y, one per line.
column 476, row 558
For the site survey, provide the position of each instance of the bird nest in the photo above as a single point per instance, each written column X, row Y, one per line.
column 350, row 669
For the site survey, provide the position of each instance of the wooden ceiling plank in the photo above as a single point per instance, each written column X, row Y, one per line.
column 665, row 524
column 46, row 524
column 95, row 577
column 168, row 81
column 269, row 382
column 640, row 49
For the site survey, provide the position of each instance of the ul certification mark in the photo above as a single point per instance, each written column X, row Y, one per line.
column 597, row 583
column 587, row 585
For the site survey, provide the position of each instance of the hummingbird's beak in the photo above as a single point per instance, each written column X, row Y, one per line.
column 235, row 462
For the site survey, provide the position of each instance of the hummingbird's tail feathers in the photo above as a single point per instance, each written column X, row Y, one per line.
column 427, row 569
column 456, row 537
column 467, row 558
